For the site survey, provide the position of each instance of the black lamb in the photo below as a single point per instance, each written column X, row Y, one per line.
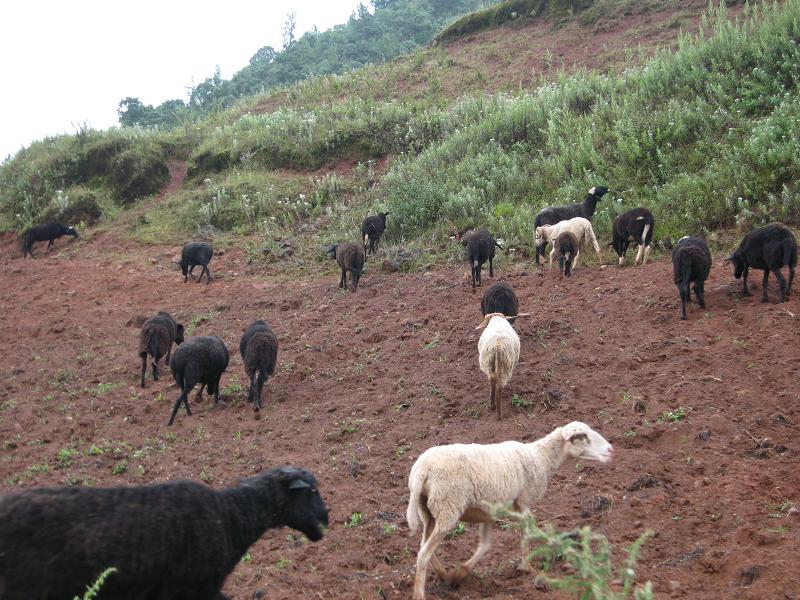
column 199, row 360
column 259, row 350
column 350, row 258
column 178, row 540
column 769, row 248
column 156, row 338
column 635, row 225
column 196, row 254
column 49, row 232
column 372, row 229
column 480, row 248
column 500, row 298
column 567, row 249
column 555, row 214
column 691, row 262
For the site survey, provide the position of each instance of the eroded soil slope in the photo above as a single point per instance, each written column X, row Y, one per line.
column 369, row 380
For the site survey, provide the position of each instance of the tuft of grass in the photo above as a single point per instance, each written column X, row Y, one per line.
column 355, row 520
column 93, row 590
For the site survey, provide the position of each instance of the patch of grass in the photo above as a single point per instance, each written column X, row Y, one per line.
column 355, row 520
column 197, row 319
column 520, row 402
column 389, row 529
column 459, row 529
column 675, row 415
column 120, row 468
column 64, row 457
column 233, row 387
column 94, row 589
column 206, row 475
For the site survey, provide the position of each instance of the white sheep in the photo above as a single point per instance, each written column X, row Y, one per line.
column 465, row 482
column 498, row 354
column 581, row 228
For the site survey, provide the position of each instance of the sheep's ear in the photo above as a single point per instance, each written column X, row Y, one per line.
column 593, row 190
column 299, row 484
column 485, row 321
column 574, row 431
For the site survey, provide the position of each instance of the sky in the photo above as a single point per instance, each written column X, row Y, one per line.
column 66, row 64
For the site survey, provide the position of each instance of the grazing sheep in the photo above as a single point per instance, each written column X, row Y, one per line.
column 769, row 248
column 49, row 232
column 555, row 214
column 498, row 354
column 579, row 227
column 155, row 339
column 196, row 254
column 635, row 225
column 500, row 298
column 199, row 360
column 480, row 248
column 178, row 540
column 372, row 229
column 259, row 350
column 465, row 482
column 350, row 258
column 567, row 249
column 691, row 262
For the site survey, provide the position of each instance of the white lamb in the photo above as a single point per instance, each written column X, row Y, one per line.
column 464, row 482
column 581, row 228
column 498, row 354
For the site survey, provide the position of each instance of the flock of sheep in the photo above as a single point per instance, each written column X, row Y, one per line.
column 181, row 539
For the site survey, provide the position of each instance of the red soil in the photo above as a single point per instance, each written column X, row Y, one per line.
column 367, row 381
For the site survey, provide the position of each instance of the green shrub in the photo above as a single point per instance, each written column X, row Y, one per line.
column 81, row 206
column 138, row 172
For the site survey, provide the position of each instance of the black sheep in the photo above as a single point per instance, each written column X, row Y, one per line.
column 156, row 338
column 555, row 214
column 500, row 298
column 177, row 540
column 259, row 350
column 371, row 230
column 480, row 248
column 199, row 360
column 635, row 225
column 49, row 232
column 769, row 248
column 567, row 248
column 196, row 254
column 350, row 258
column 691, row 262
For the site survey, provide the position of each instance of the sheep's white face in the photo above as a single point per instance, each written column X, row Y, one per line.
column 585, row 443
column 540, row 234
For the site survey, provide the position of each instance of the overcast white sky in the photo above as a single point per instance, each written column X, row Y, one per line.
column 66, row 63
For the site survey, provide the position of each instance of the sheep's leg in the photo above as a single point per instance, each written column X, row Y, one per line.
column 701, row 295
column 483, row 547
column 424, row 557
column 498, row 399
column 492, row 399
column 216, row 390
column 745, row 290
column 491, row 271
column 199, row 396
column 683, row 288
column 208, row 275
column 50, row 243
column 647, row 250
column 764, row 284
column 182, row 399
column 781, row 282
column 575, row 260
column 791, row 279
column 259, row 388
column 155, row 368
column 144, row 367
column 437, row 565
column 343, row 280
column 639, row 255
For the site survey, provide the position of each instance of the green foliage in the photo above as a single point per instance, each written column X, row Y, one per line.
column 73, row 206
column 94, row 589
column 138, row 172
column 590, row 556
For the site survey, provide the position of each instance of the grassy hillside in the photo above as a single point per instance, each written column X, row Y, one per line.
column 704, row 133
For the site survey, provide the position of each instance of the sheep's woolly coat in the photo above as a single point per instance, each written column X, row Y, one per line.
column 581, row 228
column 498, row 350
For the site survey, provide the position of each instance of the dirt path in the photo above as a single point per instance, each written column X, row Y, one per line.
column 367, row 381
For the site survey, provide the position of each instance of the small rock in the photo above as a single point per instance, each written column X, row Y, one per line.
column 749, row 574
column 703, row 435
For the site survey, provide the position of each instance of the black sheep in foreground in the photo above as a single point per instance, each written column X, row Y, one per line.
column 259, row 350
column 200, row 360
column 196, row 254
column 480, row 248
column 177, row 540
column 371, row 231
column 350, row 258
column 156, row 338
column 555, row 214
column 691, row 262
column 49, row 232
column 500, row 298
column 634, row 226
column 769, row 248
column 567, row 249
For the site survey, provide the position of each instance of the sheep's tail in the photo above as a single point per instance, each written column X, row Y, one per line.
column 789, row 250
column 416, row 484
column 644, row 233
column 152, row 346
column 366, row 238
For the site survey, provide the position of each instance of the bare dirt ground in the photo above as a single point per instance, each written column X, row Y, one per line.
column 367, row 381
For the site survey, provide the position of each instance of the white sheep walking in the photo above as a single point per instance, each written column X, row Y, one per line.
column 498, row 354
column 581, row 228
column 465, row 482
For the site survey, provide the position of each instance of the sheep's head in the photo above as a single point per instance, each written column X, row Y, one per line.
column 331, row 250
column 541, row 234
column 585, row 443
column 72, row 231
column 302, row 507
column 488, row 317
column 179, row 334
column 738, row 265
column 598, row 191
